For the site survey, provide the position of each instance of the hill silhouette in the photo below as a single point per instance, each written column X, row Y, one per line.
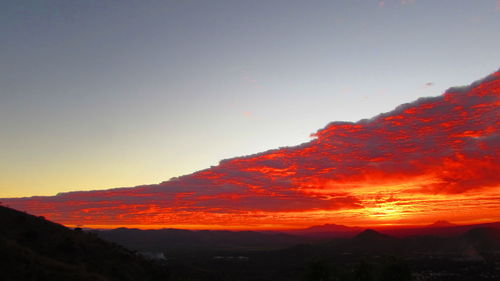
column 483, row 239
column 439, row 228
column 370, row 235
column 371, row 241
column 36, row 249
column 326, row 231
column 441, row 223
column 180, row 240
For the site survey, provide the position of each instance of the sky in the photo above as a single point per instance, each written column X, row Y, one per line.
column 433, row 159
column 106, row 94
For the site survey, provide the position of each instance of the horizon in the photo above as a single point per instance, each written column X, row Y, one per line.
column 385, row 227
column 350, row 228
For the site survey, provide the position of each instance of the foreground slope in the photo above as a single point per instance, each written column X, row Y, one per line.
column 36, row 249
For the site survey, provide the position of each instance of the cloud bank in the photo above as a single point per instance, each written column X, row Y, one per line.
column 434, row 158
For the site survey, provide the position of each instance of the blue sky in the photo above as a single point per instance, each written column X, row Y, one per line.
column 101, row 94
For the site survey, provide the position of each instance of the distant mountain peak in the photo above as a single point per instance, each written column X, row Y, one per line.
column 369, row 231
column 441, row 223
column 326, row 230
column 328, row 227
column 370, row 234
column 371, row 240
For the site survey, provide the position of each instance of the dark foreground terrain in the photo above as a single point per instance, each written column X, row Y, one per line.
column 369, row 255
column 32, row 248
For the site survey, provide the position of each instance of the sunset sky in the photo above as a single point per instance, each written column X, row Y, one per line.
column 106, row 94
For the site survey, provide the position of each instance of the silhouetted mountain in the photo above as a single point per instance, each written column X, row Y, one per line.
column 174, row 241
column 326, row 231
column 370, row 235
column 187, row 240
column 372, row 241
column 483, row 239
column 36, row 249
column 441, row 223
column 440, row 228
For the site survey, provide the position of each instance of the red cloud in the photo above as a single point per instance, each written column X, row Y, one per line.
column 432, row 158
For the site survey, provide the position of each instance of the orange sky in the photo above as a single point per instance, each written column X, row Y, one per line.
column 432, row 159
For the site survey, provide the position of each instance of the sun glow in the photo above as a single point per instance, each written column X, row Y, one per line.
column 385, row 211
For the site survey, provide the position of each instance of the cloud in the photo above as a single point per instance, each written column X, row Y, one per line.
column 436, row 152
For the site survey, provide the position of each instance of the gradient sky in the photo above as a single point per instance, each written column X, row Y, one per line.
column 432, row 159
column 102, row 94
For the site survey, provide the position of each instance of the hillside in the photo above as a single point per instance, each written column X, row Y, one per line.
column 36, row 249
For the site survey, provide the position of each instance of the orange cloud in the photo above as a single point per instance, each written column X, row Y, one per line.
column 435, row 158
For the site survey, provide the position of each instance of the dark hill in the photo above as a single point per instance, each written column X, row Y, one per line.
column 441, row 223
column 483, row 239
column 372, row 241
column 177, row 240
column 36, row 249
column 326, row 231
column 370, row 235
column 439, row 228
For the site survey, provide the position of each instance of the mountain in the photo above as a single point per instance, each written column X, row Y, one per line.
column 178, row 240
column 481, row 242
column 441, row 223
column 370, row 240
column 484, row 239
column 36, row 249
column 439, row 228
column 326, row 231
column 371, row 236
